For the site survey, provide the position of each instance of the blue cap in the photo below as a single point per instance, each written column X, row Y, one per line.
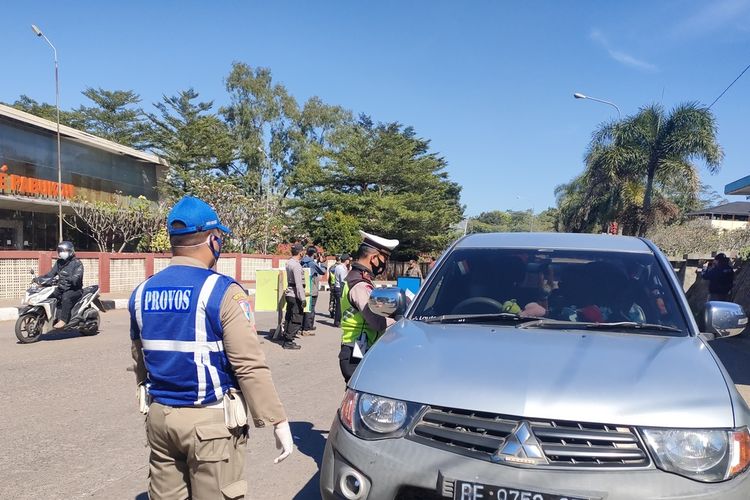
column 196, row 215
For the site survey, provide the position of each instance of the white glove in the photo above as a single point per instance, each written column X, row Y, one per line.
column 144, row 400
column 284, row 441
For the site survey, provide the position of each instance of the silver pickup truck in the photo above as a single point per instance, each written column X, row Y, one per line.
column 543, row 367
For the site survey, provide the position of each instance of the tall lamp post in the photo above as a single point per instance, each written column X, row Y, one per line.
column 39, row 33
column 578, row 95
column 267, row 161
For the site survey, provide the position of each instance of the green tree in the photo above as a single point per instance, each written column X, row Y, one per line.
column 306, row 136
column 259, row 115
column 193, row 140
column 657, row 150
column 495, row 221
column 708, row 197
column 384, row 176
column 48, row 111
column 338, row 231
column 544, row 222
column 115, row 116
column 256, row 224
column 273, row 135
column 499, row 221
column 640, row 171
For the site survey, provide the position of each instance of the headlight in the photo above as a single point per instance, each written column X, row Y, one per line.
column 382, row 415
column 708, row 455
column 376, row 417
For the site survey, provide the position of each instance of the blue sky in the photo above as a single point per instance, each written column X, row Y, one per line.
column 489, row 82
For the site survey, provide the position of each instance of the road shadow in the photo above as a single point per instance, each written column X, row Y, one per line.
column 327, row 322
column 734, row 353
column 59, row 335
column 310, row 442
column 268, row 336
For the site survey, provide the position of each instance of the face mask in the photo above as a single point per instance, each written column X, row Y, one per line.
column 379, row 268
column 64, row 255
column 216, row 252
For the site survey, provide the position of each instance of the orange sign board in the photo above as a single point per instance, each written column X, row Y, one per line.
column 18, row 184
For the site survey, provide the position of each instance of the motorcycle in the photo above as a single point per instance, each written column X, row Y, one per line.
column 41, row 311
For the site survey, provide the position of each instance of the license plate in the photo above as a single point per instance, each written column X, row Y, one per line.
column 463, row 490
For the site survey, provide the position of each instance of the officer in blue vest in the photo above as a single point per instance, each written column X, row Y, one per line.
column 199, row 363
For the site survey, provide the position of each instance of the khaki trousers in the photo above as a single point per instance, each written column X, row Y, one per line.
column 194, row 455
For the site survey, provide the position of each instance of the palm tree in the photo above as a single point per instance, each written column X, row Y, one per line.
column 657, row 148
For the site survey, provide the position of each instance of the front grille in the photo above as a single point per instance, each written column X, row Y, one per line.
column 564, row 444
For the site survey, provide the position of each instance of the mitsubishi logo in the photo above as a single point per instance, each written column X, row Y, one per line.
column 520, row 447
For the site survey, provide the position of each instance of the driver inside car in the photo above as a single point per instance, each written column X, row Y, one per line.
column 496, row 286
column 69, row 272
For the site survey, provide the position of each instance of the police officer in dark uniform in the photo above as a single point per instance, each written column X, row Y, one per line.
column 197, row 354
column 720, row 277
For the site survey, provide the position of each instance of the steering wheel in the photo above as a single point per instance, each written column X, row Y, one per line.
column 466, row 303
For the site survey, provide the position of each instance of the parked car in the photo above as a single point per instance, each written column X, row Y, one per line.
column 543, row 367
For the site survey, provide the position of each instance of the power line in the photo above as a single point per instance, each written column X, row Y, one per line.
column 730, row 85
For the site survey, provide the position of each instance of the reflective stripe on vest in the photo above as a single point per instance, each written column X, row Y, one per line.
column 353, row 324
column 180, row 330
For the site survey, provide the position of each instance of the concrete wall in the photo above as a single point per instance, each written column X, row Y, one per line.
column 728, row 224
column 117, row 272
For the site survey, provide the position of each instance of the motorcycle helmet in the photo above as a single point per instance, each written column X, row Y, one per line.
column 65, row 250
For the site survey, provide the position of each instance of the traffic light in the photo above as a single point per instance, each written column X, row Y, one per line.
column 613, row 228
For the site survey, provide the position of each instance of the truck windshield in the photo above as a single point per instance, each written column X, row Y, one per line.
column 563, row 285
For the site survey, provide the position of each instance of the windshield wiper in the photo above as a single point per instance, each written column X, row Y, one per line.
column 633, row 325
column 477, row 318
column 578, row 325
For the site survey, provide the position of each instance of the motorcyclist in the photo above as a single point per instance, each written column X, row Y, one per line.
column 69, row 271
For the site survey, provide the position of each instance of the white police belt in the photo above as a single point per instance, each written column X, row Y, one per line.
column 145, row 400
column 233, row 404
column 235, row 409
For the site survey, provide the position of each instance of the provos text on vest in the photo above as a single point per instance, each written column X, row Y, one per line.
column 172, row 299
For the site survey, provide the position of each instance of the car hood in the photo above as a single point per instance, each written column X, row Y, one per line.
column 585, row 376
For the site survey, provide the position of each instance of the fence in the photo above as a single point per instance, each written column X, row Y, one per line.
column 118, row 272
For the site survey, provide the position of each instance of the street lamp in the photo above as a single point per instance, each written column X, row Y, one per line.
column 39, row 33
column 578, row 95
column 268, row 189
column 531, row 220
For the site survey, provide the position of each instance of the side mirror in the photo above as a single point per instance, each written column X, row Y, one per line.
column 725, row 319
column 387, row 302
column 32, row 272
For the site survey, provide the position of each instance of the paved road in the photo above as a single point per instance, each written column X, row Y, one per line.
column 70, row 428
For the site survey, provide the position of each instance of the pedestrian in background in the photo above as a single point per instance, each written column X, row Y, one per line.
column 431, row 264
column 312, row 262
column 295, row 299
column 720, row 276
column 196, row 355
column 340, row 273
column 331, row 284
column 413, row 270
